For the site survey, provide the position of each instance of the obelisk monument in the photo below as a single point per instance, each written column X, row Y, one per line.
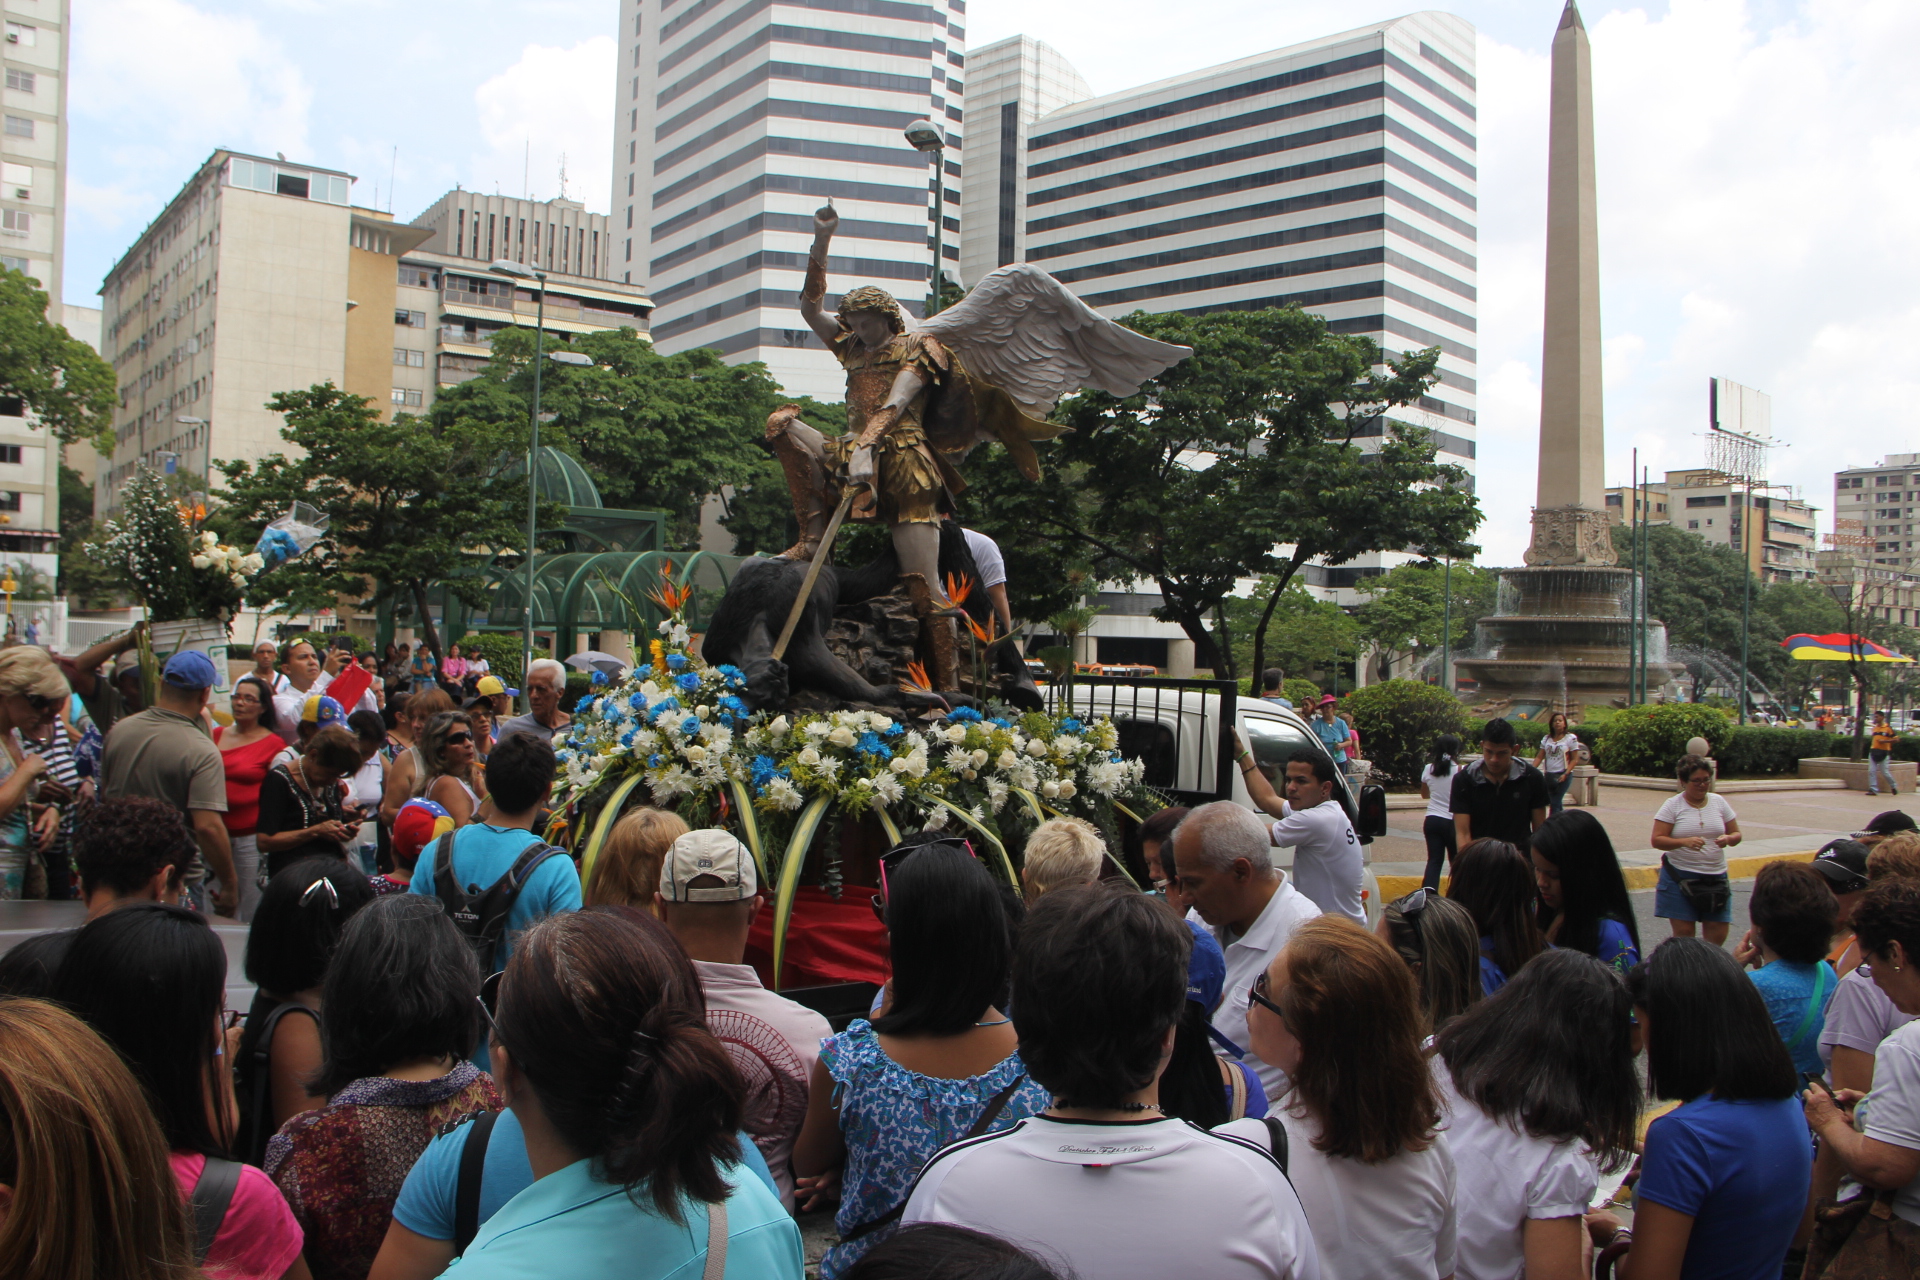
column 1570, row 517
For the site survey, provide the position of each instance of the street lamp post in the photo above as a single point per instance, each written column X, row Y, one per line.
column 926, row 137
column 1446, row 634
column 512, row 269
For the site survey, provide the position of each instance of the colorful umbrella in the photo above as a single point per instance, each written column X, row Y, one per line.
column 1838, row 648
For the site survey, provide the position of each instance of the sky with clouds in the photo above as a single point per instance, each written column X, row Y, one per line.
column 1758, row 169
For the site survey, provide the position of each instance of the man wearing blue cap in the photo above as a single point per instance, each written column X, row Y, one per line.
column 163, row 752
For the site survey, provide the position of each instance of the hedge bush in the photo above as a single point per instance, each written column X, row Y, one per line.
column 1398, row 720
column 1526, row 732
column 502, row 652
column 1763, row 749
column 1649, row 740
column 1305, row 694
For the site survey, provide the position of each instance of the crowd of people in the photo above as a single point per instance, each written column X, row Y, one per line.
column 460, row 1059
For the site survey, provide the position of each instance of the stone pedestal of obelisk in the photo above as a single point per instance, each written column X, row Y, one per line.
column 1561, row 640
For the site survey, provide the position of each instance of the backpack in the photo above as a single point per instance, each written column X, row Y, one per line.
column 208, row 1202
column 482, row 914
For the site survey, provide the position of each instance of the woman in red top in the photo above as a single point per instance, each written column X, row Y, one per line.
column 247, row 750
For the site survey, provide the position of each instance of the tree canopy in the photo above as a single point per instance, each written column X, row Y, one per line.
column 1238, row 462
column 413, row 502
column 1407, row 607
column 57, row 377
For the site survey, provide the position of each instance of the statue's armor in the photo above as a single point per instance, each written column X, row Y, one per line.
column 910, row 482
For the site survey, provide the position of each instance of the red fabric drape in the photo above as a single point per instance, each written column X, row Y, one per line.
column 828, row 940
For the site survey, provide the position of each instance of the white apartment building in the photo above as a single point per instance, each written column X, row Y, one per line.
column 1875, row 509
column 33, row 141
column 735, row 121
column 1010, row 84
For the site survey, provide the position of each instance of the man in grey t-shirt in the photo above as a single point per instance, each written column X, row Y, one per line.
column 546, row 681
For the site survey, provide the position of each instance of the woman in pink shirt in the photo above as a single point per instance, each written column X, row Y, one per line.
column 454, row 670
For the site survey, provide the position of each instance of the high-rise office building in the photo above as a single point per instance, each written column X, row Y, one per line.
column 734, row 123
column 1339, row 174
column 261, row 277
column 1010, row 84
column 1875, row 510
column 33, row 145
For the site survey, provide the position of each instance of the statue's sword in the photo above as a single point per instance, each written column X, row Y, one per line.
column 820, row 555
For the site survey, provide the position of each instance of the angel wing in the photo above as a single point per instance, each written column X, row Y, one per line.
column 1021, row 331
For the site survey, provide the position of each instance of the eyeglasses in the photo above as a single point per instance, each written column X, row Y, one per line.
column 40, row 704
column 1258, row 994
column 892, row 859
column 454, row 739
column 489, row 1000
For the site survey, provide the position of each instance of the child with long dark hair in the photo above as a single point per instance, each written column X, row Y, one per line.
column 1492, row 880
column 1583, row 897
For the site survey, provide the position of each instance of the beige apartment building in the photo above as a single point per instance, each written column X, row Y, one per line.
column 260, row 276
column 1776, row 532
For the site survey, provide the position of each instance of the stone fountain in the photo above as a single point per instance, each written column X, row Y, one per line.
column 1562, row 635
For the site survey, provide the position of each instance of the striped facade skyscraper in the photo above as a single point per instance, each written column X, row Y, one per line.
column 734, row 121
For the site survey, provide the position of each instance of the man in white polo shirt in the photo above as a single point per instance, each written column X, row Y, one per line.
column 709, row 896
column 1102, row 1180
column 1327, row 864
column 1224, row 859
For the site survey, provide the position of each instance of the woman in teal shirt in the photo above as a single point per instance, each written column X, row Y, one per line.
column 629, row 1108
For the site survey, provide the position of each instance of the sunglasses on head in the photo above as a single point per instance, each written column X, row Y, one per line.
column 892, row 860
column 1411, row 907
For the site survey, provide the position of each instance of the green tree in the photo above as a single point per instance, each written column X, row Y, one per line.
column 1246, row 445
column 1305, row 632
column 57, row 377
column 1407, row 607
column 411, row 502
column 1785, row 609
column 89, row 582
column 656, row 433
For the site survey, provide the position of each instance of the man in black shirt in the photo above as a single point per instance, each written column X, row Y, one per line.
column 1500, row 796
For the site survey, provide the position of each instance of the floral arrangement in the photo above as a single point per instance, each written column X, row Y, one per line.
column 172, row 566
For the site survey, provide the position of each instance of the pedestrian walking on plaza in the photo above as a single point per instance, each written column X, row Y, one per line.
column 1880, row 755
column 1496, row 884
column 1693, row 831
column 1436, row 788
column 1725, row 1175
column 164, row 752
column 1499, row 796
column 1559, row 748
column 1540, row 1090
column 1583, row 895
column 1223, row 855
column 1338, row 1012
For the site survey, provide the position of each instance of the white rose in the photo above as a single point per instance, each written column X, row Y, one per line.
column 877, row 722
column 1067, row 789
column 238, row 579
column 252, row 563
column 703, row 711
column 696, row 753
column 979, row 757
column 841, row 737
column 809, row 757
column 778, row 727
column 1007, row 760
column 1036, row 748
column 207, row 539
column 898, row 764
column 955, row 733
column 969, row 774
column 201, row 562
column 1051, row 790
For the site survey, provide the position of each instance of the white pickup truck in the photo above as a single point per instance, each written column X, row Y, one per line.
column 1176, row 728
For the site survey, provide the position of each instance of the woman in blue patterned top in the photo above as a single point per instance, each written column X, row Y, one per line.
column 1583, row 897
column 938, row 1064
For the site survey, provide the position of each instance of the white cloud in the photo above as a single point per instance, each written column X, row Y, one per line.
column 551, row 103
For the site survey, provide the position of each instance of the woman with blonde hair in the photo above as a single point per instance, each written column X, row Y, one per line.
column 1060, row 852
column 85, row 1184
column 627, row 872
column 451, row 781
column 32, row 691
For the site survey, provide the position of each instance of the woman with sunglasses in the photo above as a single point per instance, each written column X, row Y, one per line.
column 399, row 1015
column 152, row 980
column 1437, row 940
column 294, row 932
column 32, row 691
column 447, row 751
column 937, row 1063
column 302, row 804
column 1496, row 885
column 629, row 1109
column 1337, row 1011
column 1540, row 1089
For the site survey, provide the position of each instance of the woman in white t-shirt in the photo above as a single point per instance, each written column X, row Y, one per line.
column 1538, row 1081
column 1693, row 831
column 1338, row 1012
column 1558, row 750
column 1436, row 788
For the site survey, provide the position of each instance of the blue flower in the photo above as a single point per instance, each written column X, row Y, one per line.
column 869, row 744
column 626, row 739
column 1070, row 725
column 584, row 705
column 1001, row 722
column 733, row 705
column 598, row 678
column 676, row 661
column 645, row 673
column 734, row 676
column 894, row 730
column 690, row 726
column 660, row 710
column 653, row 761
column 638, row 701
column 689, row 683
column 964, row 715
column 765, row 769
